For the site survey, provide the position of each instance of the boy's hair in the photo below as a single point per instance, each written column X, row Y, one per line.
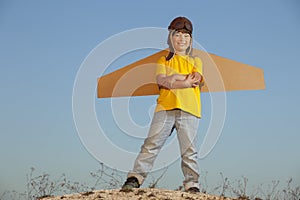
column 179, row 24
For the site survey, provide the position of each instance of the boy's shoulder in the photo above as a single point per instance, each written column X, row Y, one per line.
column 162, row 59
column 194, row 57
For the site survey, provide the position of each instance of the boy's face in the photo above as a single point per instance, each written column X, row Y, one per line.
column 181, row 41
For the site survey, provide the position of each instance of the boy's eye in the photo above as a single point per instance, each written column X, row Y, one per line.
column 178, row 34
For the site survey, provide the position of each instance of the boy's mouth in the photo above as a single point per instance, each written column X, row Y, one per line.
column 181, row 44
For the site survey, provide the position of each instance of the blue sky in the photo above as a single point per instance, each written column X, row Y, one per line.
column 43, row 43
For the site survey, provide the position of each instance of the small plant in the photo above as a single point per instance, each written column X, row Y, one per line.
column 39, row 186
column 223, row 187
column 106, row 178
column 290, row 193
column 154, row 182
column 241, row 189
column 42, row 185
column 225, row 184
column 270, row 193
column 204, row 184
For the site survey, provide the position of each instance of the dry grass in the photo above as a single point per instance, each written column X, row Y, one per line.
column 42, row 186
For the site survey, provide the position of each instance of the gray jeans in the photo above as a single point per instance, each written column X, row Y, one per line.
column 161, row 126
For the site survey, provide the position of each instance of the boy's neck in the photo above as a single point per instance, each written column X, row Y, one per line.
column 181, row 53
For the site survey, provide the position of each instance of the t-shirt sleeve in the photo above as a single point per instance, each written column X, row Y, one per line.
column 198, row 66
column 161, row 68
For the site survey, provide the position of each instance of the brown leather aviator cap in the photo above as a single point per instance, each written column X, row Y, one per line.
column 181, row 23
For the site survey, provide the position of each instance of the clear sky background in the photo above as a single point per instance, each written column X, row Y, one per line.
column 43, row 43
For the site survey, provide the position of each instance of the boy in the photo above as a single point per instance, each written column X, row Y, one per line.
column 178, row 76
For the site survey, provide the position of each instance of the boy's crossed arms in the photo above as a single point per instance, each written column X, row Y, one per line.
column 179, row 81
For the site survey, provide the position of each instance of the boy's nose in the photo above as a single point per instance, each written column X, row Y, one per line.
column 182, row 37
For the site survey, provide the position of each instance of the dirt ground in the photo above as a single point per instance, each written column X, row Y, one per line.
column 137, row 194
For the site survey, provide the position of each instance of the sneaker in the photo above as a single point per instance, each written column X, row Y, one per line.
column 130, row 183
column 193, row 190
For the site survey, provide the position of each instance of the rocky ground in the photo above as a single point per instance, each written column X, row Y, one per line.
column 137, row 194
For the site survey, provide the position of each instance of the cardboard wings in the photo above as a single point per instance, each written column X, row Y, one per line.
column 220, row 74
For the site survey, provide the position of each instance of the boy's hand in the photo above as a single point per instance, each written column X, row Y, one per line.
column 190, row 80
column 193, row 79
column 198, row 77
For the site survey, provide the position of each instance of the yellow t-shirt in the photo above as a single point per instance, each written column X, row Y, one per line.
column 186, row 99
